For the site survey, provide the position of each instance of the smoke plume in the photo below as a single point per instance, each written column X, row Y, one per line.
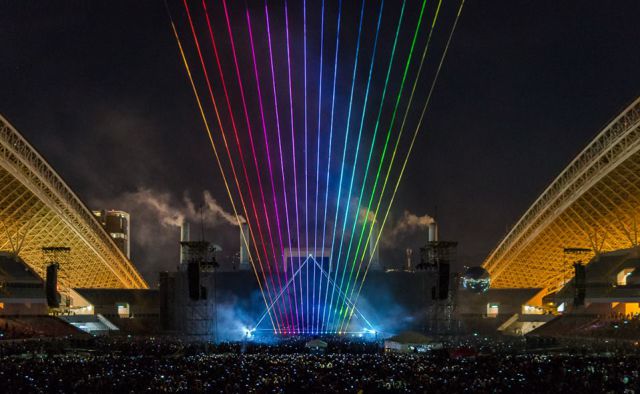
column 155, row 218
column 408, row 224
column 171, row 214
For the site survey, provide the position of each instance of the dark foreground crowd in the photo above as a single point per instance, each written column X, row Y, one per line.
column 160, row 365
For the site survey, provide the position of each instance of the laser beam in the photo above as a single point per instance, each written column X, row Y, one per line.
column 399, row 138
column 217, row 156
column 333, row 105
column 359, row 139
column 413, row 140
column 306, row 167
column 266, row 142
column 275, row 102
column 195, row 37
column 253, row 151
column 293, row 158
column 237, row 142
column 315, row 221
column 386, row 144
column 344, row 154
column 373, row 139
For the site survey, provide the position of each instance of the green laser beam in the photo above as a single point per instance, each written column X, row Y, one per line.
column 386, row 144
column 413, row 140
column 397, row 144
column 384, row 93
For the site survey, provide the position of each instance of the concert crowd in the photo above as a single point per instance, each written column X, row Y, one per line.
column 164, row 365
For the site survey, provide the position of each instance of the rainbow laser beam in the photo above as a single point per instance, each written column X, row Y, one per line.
column 386, row 143
column 305, row 263
column 359, row 139
column 315, row 221
column 282, row 172
column 306, row 167
column 224, row 138
column 398, row 139
column 341, row 293
column 413, row 140
column 390, row 165
column 253, row 153
column 286, row 286
column 361, row 127
column 344, row 154
column 373, row 139
column 266, row 140
column 216, row 154
column 347, row 271
column 237, row 142
column 293, row 159
column 326, row 195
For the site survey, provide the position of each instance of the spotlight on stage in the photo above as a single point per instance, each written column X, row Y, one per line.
column 248, row 332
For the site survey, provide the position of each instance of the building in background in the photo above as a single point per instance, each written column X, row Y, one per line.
column 117, row 225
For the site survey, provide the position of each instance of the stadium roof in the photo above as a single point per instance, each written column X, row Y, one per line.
column 38, row 209
column 593, row 204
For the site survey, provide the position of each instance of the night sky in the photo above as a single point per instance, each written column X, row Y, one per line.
column 99, row 89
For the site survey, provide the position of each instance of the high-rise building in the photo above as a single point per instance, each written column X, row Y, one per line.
column 117, row 225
